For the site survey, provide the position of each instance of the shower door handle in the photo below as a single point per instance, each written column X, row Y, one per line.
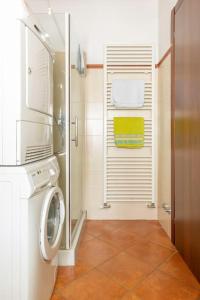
column 76, row 131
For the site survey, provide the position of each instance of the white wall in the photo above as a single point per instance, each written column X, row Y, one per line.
column 164, row 114
column 97, row 22
column 164, row 143
column 94, row 163
column 164, row 25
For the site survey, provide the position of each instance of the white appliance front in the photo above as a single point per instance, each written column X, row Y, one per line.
column 40, row 274
column 39, row 79
column 32, row 211
column 26, row 89
column 34, row 141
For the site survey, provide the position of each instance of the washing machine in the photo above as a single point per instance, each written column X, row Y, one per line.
column 31, row 222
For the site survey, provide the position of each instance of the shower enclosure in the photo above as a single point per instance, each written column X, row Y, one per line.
column 69, row 122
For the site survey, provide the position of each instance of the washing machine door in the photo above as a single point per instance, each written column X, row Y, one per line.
column 52, row 219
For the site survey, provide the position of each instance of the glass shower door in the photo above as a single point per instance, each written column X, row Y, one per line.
column 68, row 135
column 76, row 138
column 68, row 116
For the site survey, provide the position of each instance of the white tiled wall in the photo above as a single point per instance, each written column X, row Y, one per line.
column 94, row 171
column 164, row 112
column 94, row 138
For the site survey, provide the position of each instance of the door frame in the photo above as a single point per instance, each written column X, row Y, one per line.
column 67, row 131
column 173, row 101
column 173, row 125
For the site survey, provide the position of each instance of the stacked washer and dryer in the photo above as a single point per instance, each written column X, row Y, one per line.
column 32, row 204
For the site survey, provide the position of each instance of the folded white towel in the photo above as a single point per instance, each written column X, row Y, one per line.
column 127, row 93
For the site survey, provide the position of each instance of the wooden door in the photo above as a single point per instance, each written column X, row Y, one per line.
column 186, row 131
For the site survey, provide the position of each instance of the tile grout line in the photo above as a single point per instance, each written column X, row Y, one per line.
column 161, row 245
column 147, row 276
column 120, row 250
column 143, row 277
column 113, row 280
column 103, row 262
column 164, row 246
column 114, row 229
column 153, row 271
column 94, row 267
column 124, row 251
column 113, row 246
column 139, row 281
column 144, row 237
column 181, row 281
column 173, row 276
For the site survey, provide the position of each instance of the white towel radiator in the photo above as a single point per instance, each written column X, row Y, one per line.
column 129, row 174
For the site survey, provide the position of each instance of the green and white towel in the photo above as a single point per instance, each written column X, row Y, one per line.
column 129, row 132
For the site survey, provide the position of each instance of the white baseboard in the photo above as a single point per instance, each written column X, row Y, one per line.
column 120, row 211
column 68, row 257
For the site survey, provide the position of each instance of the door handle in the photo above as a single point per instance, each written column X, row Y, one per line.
column 76, row 131
column 166, row 208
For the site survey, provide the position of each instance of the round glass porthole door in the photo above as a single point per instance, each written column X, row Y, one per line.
column 52, row 219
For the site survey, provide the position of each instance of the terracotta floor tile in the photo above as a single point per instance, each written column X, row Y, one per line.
column 125, row 269
column 93, row 286
column 57, row 297
column 68, row 274
column 149, row 253
column 99, row 227
column 161, row 286
column 116, row 224
column 103, row 272
column 160, row 237
column 142, row 228
column 95, row 252
column 119, row 238
column 130, row 296
column 176, row 267
column 85, row 236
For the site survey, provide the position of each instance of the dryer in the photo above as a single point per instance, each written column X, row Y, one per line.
column 31, row 222
column 26, row 96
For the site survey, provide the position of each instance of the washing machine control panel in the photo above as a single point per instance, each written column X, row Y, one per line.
column 40, row 178
column 40, row 175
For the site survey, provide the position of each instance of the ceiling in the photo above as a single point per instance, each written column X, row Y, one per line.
column 57, row 5
column 52, row 25
column 42, row 6
column 38, row 5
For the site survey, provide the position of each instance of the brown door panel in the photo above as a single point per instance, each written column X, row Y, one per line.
column 186, row 132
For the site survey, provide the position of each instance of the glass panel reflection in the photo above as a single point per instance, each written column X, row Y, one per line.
column 53, row 220
column 68, row 116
